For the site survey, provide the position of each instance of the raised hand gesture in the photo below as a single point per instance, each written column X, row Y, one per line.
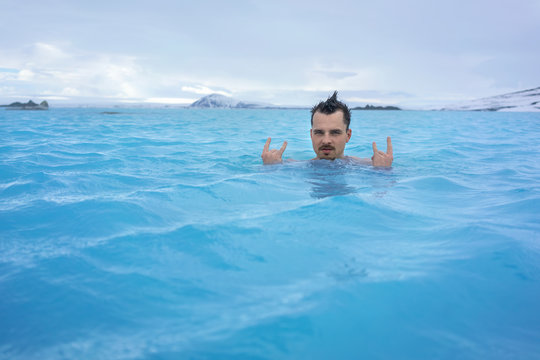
column 272, row 156
column 380, row 158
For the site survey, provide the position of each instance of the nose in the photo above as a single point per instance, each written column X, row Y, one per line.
column 326, row 138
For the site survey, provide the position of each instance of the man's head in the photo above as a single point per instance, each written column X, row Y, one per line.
column 330, row 106
column 330, row 131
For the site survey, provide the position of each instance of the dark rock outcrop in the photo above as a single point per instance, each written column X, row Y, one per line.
column 371, row 107
column 30, row 105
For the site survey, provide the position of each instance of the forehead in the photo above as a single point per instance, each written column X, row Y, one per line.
column 330, row 121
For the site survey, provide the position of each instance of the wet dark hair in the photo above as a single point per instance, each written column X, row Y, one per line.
column 330, row 106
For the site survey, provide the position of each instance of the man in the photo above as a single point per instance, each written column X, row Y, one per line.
column 330, row 132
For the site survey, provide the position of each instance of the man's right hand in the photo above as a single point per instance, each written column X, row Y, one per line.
column 272, row 156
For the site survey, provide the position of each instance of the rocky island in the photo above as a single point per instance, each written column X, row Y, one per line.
column 30, row 105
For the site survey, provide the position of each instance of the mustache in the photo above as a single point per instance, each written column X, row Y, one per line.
column 326, row 147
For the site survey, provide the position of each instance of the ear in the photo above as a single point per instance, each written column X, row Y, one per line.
column 311, row 133
column 349, row 133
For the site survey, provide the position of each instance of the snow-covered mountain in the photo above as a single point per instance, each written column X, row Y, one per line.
column 526, row 100
column 221, row 101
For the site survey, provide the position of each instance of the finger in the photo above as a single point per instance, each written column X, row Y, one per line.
column 389, row 149
column 283, row 147
column 375, row 151
column 267, row 145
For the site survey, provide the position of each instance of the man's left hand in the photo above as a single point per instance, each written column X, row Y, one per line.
column 380, row 158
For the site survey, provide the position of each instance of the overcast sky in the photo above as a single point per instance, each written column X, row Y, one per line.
column 409, row 53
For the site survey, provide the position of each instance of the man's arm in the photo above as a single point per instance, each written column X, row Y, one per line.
column 272, row 156
column 379, row 158
column 361, row 161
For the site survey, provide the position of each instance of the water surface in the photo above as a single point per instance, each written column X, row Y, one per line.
column 158, row 234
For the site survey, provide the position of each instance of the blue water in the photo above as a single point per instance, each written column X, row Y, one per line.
column 158, row 234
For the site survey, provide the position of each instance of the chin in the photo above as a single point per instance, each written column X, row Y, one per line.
column 327, row 157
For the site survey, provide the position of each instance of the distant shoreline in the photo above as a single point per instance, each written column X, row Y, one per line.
column 371, row 107
column 30, row 105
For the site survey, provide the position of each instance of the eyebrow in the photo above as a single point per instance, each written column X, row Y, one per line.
column 331, row 130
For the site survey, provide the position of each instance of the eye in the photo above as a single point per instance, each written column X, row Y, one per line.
column 335, row 132
column 317, row 132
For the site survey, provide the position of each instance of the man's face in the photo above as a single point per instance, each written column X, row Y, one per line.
column 329, row 135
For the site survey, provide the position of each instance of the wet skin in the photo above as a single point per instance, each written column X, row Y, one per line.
column 329, row 135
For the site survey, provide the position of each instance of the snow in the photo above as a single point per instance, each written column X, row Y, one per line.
column 520, row 101
column 221, row 101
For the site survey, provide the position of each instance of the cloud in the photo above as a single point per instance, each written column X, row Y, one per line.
column 365, row 100
column 430, row 49
column 26, row 75
column 48, row 53
column 170, row 101
column 336, row 74
column 66, row 72
column 54, row 98
column 203, row 90
column 6, row 76
column 70, row 92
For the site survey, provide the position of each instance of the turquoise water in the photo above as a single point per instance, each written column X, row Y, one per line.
column 158, row 234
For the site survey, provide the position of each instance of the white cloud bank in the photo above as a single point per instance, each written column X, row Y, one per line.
column 180, row 50
column 53, row 71
column 69, row 75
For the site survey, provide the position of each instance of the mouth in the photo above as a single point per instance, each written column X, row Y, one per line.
column 326, row 149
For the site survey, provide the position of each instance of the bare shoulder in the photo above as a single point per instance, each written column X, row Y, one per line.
column 361, row 161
